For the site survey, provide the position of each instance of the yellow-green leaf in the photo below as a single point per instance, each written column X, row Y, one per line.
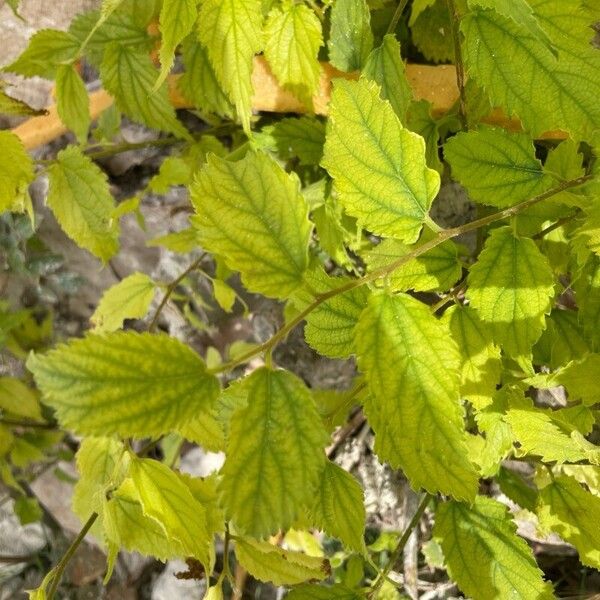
column 339, row 508
column 176, row 20
column 510, row 287
column 567, row 509
column 412, row 366
column 128, row 299
column 251, row 213
column 497, row 167
column 292, row 40
column 484, row 554
column 383, row 181
column 16, row 171
column 81, row 202
column 274, row 453
column 124, row 382
column 19, row 399
column 351, row 38
column 231, row 31
column 72, row 101
column 166, row 499
column 267, row 562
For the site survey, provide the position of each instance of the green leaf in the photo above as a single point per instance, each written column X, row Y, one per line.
column 206, row 431
column 351, row 38
column 522, row 75
column 19, row 399
column 12, row 106
column 82, row 204
column 575, row 376
column 480, row 358
column 541, row 432
column 168, row 500
column 129, row 75
column 126, row 383
column 127, row 527
column 198, row 83
column 97, row 462
column 274, row 453
column 319, row 592
column 72, row 101
column 292, row 40
column 267, row 562
column 183, row 241
column 301, row 137
column 28, row 510
column 497, row 167
column 567, row 509
column 231, row 31
column 177, row 18
column 330, row 326
column 385, row 67
column 386, row 185
column 483, row 553
column 436, row 269
column 420, row 120
column 431, row 31
column 411, row 365
column 118, row 27
column 46, row 50
column 251, row 213
column 587, row 292
column 16, row 171
column 511, row 286
column 128, row 299
column 338, row 509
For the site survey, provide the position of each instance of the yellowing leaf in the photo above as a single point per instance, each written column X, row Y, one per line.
column 339, row 507
column 567, row 509
column 166, row 499
column 251, row 213
column 128, row 299
column 510, row 287
column 411, row 364
column 351, row 39
column 231, row 31
column 522, row 75
column 576, row 377
column 385, row 67
column 436, row 269
column 483, row 553
column 292, row 40
column 72, row 101
column 177, row 18
column 274, row 453
column 127, row 383
column 198, row 83
column 497, row 167
column 81, row 202
column 16, row 170
column 480, row 357
column 129, row 75
column 12, row 106
column 378, row 166
column 19, row 399
column 267, row 562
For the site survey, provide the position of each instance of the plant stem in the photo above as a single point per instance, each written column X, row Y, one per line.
column 400, row 547
column 440, row 238
column 64, row 561
column 397, row 14
column 540, row 234
column 171, row 288
column 458, row 62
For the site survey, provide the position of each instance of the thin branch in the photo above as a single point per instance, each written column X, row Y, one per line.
column 64, row 561
column 440, row 238
column 171, row 288
column 397, row 14
column 13, row 560
column 562, row 221
column 400, row 547
column 458, row 62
